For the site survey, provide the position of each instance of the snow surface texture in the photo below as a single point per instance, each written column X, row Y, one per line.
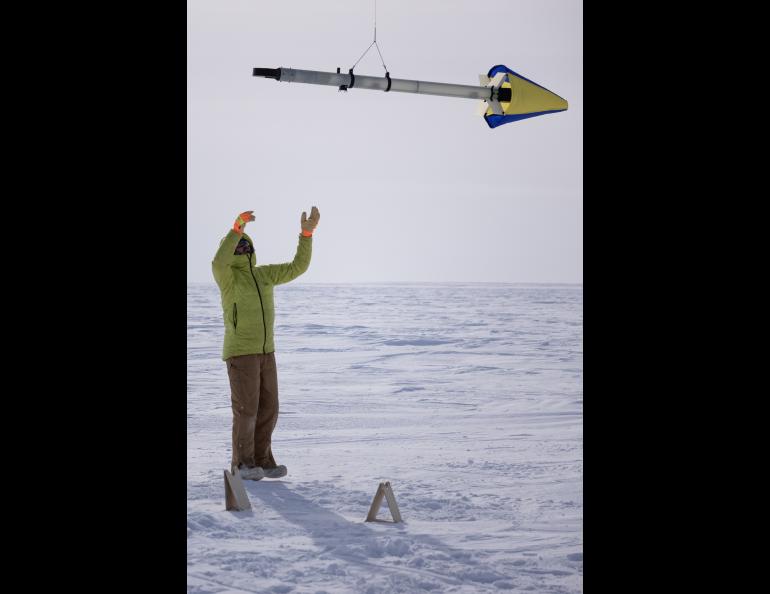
column 468, row 398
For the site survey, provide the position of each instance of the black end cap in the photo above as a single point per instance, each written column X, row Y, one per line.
column 268, row 73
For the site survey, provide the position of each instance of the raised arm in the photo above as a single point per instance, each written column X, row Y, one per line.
column 225, row 255
column 278, row 274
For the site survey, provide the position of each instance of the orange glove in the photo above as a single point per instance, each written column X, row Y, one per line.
column 309, row 224
column 241, row 221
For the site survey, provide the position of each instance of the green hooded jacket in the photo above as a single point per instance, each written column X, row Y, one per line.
column 247, row 294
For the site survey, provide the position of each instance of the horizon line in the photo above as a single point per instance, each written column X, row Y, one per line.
column 403, row 282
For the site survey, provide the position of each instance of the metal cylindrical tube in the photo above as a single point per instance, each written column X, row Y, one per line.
column 333, row 79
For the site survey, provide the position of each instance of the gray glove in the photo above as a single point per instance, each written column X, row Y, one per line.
column 309, row 224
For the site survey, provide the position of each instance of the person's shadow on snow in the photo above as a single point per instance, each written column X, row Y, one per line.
column 361, row 544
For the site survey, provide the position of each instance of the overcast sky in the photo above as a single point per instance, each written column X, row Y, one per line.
column 410, row 187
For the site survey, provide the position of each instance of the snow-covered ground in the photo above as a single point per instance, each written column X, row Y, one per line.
column 468, row 398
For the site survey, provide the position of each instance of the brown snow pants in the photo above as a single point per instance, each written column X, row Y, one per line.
column 254, row 396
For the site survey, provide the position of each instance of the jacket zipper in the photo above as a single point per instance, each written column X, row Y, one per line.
column 235, row 316
column 264, row 323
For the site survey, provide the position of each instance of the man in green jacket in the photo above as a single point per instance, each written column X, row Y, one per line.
column 249, row 350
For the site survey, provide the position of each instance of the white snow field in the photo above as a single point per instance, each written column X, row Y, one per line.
column 468, row 398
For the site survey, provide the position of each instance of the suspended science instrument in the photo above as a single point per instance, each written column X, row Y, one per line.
column 505, row 95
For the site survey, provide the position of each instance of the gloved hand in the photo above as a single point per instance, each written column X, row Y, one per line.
column 309, row 224
column 241, row 221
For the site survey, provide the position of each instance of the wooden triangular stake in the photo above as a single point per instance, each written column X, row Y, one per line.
column 236, row 498
column 384, row 490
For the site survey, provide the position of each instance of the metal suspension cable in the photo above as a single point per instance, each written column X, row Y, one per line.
column 374, row 43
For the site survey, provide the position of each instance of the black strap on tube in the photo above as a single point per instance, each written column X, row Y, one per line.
column 352, row 79
column 341, row 87
column 387, row 75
